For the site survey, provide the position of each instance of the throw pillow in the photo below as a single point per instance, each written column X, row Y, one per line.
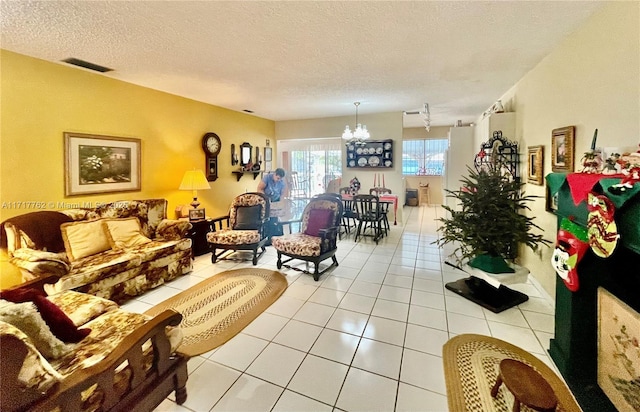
column 248, row 218
column 82, row 239
column 38, row 230
column 318, row 219
column 58, row 321
column 25, row 317
column 124, row 233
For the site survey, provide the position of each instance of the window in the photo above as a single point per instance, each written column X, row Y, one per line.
column 423, row 157
column 311, row 163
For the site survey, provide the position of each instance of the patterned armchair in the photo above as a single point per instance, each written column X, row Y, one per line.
column 246, row 227
column 318, row 236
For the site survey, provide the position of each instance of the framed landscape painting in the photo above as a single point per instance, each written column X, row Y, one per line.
column 535, row 162
column 100, row 164
column 562, row 141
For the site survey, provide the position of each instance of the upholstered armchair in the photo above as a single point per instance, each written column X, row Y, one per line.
column 318, row 236
column 245, row 227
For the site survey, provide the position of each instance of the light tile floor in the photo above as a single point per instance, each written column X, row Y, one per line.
column 367, row 336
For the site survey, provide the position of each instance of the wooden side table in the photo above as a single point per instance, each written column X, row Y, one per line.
column 198, row 236
column 527, row 386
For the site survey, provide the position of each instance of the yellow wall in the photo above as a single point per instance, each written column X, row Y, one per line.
column 42, row 100
column 592, row 80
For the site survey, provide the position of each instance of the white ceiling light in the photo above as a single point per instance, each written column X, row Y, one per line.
column 424, row 113
column 359, row 134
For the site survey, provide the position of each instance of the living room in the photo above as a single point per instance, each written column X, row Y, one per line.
column 590, row 80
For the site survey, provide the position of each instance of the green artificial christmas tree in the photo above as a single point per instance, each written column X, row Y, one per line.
column 489, row 227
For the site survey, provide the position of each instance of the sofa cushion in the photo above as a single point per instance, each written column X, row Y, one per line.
column 82, row 239
column 25, row 317
column 116, row 266
column 124, row 233
column 297, row 244
column 81, row 307
column 107, row 331
column 233, row 237
column 60, row 324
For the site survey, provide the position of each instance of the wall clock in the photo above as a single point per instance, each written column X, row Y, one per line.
column 211, row 145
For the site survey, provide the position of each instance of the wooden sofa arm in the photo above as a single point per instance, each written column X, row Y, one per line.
column 145, row 389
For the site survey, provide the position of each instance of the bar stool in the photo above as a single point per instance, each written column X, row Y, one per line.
column 527, row 386
column 424, row 194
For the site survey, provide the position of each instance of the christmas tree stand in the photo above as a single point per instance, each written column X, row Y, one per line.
column 488, row 289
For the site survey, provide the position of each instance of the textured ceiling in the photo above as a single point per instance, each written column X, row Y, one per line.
column 298, row 60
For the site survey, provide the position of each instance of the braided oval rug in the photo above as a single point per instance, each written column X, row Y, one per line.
column 471, row 368
column 216, row 309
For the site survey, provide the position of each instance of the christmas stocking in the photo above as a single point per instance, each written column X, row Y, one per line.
column 603, row 231
column 571, row 246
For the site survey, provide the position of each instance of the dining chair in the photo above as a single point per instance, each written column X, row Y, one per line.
column 369, row 216
column 384, row 206
column 349, row 215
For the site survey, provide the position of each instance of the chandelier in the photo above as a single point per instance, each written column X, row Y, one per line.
column 359, row 134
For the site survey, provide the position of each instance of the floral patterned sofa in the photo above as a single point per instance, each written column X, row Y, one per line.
column 121, row 361
column 116, row 250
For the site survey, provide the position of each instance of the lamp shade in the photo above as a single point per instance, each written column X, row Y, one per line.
column 194, row 180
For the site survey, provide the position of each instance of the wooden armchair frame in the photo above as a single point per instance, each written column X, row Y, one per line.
column 328, row 239
column 146, row 389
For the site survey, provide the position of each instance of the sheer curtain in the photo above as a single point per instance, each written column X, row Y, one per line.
column 311, row 164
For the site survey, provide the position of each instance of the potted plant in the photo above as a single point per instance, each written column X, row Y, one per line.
column 489, row 227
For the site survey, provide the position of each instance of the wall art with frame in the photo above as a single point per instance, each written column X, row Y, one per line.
column 551, row 201
column 535, row 162
column 562, row 149
column 101, row 164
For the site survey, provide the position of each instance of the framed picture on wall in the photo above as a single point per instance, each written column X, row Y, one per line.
column 562, row 141
column 535, row 161
column 551, row 201
column 100, row 164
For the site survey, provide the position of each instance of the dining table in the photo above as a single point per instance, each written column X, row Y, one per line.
column 385, row 198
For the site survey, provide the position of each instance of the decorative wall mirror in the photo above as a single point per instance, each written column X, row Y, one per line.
column 245, row 153
column 501, row 151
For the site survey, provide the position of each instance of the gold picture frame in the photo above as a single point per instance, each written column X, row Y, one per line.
column 562, row 149
column 535, row 162
column 100, row 164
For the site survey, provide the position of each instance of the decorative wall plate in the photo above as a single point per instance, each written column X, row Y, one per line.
column 379, row 150
column 352, row 163
column 374, row 161
column 387, row 146
column 387, row 163
column 362, row 161
column 359, row 150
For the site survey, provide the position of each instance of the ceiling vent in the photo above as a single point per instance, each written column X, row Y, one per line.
column 87, row 65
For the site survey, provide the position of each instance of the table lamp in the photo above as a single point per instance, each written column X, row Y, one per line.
column 194, row 180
